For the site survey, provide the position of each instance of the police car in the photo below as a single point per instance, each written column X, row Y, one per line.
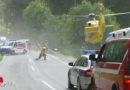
column 112, row 67
column 79, row 74
column 14, row 47
column 2, row 40
column 6, row 48
column 122, row 33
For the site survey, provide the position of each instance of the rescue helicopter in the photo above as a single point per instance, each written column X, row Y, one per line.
column 94, row 29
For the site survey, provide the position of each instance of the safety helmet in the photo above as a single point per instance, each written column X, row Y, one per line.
column 44, row 48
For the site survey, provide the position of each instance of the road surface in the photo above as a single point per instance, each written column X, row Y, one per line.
column 22, row 72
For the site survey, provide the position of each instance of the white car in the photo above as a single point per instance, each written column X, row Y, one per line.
column 27, row 43
column 14, row 47
column 19, row 47
column 2, row 40
column 7, row 47
column 80, row 74
column 122, row 33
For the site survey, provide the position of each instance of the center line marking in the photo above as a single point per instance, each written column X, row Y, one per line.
column 44, row 82
column 33, row 68
column 52, row 88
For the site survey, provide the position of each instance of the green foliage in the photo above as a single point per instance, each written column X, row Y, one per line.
column 66, row 34
column 1, row 57
column 13, row 10
column 2, row 7
column 52, row 31
column 36, row 13
column 118, row 6
column 59, row 7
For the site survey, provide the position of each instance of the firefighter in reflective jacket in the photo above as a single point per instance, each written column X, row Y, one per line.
column 43, row 53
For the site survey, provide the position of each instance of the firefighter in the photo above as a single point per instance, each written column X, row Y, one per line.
column 43, row 53
column 46, row 45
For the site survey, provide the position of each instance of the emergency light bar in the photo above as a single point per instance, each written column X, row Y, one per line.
column 122, row 33
column 89, row 51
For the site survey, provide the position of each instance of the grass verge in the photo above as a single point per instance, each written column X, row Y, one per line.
column 1, row 57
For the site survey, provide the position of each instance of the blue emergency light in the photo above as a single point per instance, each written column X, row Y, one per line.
column 89, row 51
column 110, row 35
column 6, row 49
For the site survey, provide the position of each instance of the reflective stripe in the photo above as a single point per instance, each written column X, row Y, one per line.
column 126, row 76
column 106, row 70
column 113, row 71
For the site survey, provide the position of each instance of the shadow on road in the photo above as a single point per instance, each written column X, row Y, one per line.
column 71, row 89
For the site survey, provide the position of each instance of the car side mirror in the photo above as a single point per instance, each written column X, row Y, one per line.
column 71, row 64
column 97, row 52
column 92, row 57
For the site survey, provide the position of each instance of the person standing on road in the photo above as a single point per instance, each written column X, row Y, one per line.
column 46, row 45
column 43, row 53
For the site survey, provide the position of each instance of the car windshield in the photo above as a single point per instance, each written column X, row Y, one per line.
column 21, row 44
column 8, row 43
column 115, row 51
column 11, row 43
column 2, row 42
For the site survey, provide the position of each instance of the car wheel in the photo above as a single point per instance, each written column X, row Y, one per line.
column 114, row 87
column 91, row 87
column 25, row 51
column 11, row 53
column 70, row 86
column 79, row 85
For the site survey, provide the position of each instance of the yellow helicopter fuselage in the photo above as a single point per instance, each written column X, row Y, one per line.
column 94, row 30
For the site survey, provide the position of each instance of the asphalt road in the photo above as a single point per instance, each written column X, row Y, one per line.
column 22, row 72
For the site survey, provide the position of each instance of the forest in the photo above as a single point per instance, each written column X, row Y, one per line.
column 39, row 20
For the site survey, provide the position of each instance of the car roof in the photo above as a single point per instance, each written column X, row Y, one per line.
column 86, row 56
column 119, row 39
column 122, row 33
column 23, row 40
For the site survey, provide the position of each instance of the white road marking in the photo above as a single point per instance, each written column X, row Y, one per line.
column 52, row 88
column 64, row 63
column 44, row 82
column 33, row 68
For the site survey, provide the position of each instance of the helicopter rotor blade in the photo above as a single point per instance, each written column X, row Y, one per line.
column 86, row 16
column 71, row 16
column 116, row 14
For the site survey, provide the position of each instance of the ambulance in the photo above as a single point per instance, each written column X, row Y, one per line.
column 112, row 67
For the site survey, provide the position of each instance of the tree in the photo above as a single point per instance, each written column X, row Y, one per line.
column 13, row 10
column 59, row 7
column 119, row 6
column 36, row 13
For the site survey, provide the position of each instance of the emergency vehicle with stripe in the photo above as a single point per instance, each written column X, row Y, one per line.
column 112, row 68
